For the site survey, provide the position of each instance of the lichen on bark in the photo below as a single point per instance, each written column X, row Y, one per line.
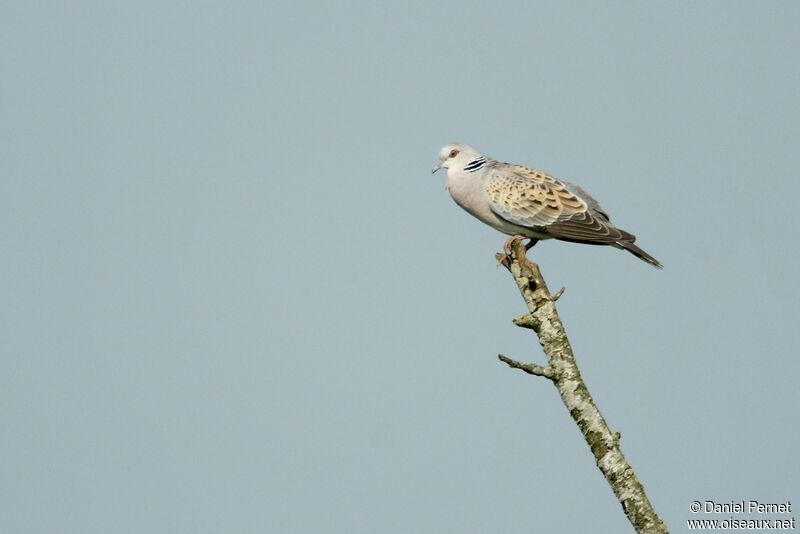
column 562, row 370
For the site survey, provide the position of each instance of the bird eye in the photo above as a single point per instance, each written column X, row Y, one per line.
column 453, row 153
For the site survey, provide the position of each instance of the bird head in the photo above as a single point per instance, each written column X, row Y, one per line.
column 455, row 156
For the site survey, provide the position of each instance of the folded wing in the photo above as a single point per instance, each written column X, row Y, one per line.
column 533, row 199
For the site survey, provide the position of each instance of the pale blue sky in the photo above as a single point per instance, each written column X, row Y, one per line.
column 235, row 300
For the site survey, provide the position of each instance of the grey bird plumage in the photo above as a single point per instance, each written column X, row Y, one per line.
column 518, row 200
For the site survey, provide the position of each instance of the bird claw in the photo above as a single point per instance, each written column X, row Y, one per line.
column 504, row 258
column 510, row 242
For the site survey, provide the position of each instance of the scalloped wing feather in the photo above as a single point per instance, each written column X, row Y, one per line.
column 533, row 199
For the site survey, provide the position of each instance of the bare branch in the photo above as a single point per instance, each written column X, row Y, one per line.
column 530, row 368
column 563, row 371
column 558, row 294
column 526, row 321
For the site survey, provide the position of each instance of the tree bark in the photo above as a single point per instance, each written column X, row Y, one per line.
column 563, row 371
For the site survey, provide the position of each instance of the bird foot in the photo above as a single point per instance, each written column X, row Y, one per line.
column 504, row 258
column 510, row 242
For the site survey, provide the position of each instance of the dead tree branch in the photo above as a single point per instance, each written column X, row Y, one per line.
column 563, row 371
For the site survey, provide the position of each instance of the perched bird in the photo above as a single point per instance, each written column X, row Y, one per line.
column 517, row 200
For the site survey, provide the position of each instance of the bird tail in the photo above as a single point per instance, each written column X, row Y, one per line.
column 639, row 253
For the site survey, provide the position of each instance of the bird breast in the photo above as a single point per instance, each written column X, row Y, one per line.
column 467, row 189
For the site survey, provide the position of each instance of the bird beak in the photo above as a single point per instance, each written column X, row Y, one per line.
column 436, row 168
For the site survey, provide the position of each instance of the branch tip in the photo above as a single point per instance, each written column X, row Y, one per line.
column 504, row 260
column 526, row 321
column 530, row 368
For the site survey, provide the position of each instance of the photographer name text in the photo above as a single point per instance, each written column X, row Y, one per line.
column 743, row 507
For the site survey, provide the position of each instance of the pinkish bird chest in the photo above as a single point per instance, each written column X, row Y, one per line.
column 467, row 190
column 468, row 194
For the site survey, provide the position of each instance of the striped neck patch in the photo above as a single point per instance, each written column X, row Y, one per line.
column 475, row 163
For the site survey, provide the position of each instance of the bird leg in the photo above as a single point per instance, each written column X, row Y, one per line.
column 529, row 245
column 529, row 269
column 510, row 241
column 505, row 258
